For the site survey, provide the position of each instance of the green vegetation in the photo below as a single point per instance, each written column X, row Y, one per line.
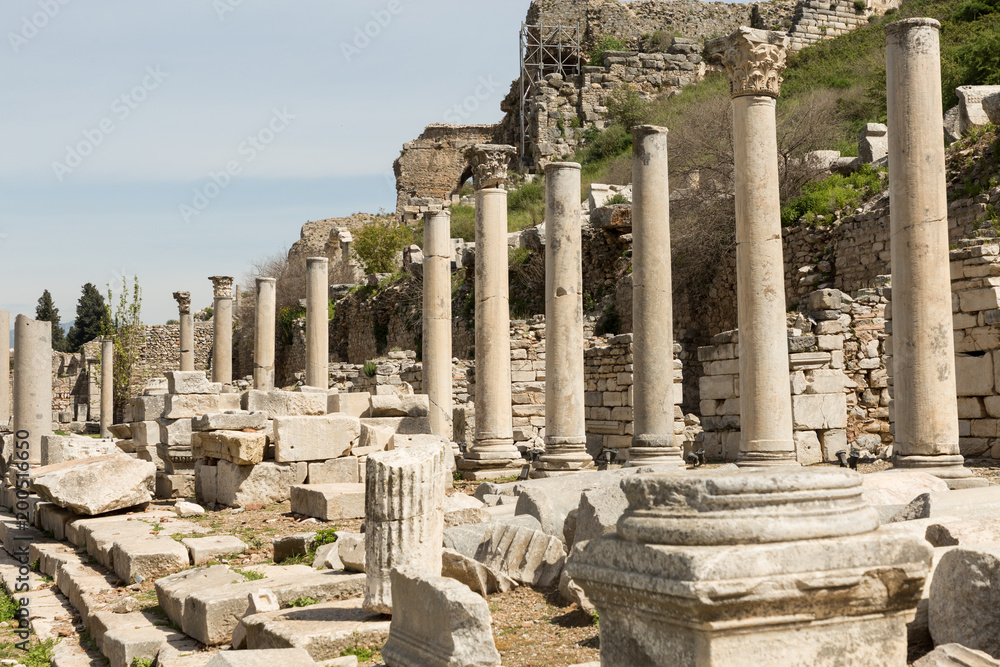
column 605, row 43
column 8, row 606
column 92, row 317
column 377, row 243
column 141, row 662
column 364, row 653
column 46, row 311
column 658, row 42
column 37, row 655
column 823, row 198
column 286, row 320
column 463, row 222
column 369, row 368
column 617, row 198
column 249, row 575
column 303, row 602
column 125, row 329
column 526, row 206
column 626, row 107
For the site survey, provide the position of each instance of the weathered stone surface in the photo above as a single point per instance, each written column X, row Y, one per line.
column 956, row 655
column 528, row 556
column 945, row 503
column 335, row 471
column 291, row 546
column 83, row 487
column 285, row 657
column 205, row 549
column 172, row 592
column 351, row 547
column 899, row 487
column 277, row 403
column 206, row 482
column 965, row 598
column 186, row 406
column 599, row 512
column 396, row 405
column 952, row 531
column 233, row 446
column 460, row 509
column 438, row 622
column 355, row 404
column 61, row 448
column 234, row 420
column 550, row 506
column 190, row 382
column 329, row 502
column 314, row 438
column 123, row 646
column 819, row 411
column 328, row 558
column 475, row 575
column 404, row 517
column 149, row 558
column 265, row 482
column 185, row 509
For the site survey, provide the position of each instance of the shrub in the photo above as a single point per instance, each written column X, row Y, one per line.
column 378, row 242
column 860, row 5
column 303, row 602
column 369, row 368
column 463, row 222
column 659, row 42
column 972, row 10
column 286, row 319
column 526, row 206
column 605, row 43
column 613, row 141
column 626, row 107
column 831, row 194
column 617, row 198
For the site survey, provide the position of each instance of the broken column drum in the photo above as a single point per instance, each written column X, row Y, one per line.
column 263, row 339
column 565, row 427
column 222, row 321
column 318, row 322
column 32, row 383
column 186, row 330
column 437, row 371
column 924, row 391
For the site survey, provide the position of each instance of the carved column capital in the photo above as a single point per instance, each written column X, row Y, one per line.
column 223, row 286
column 489, row 164
column 753, row 60
column 183, row 302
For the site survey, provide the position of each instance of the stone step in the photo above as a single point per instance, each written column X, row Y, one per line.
column 324, row 630
column 263, row 658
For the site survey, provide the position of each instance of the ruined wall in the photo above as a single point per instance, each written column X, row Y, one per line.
column 161, row 351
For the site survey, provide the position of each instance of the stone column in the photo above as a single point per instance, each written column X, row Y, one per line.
column 652, row 303
column 187, row 330
column 5, row 372
column 492, row 453
column 32, row 383
column 222, row 321
column 754, row 60
column 107, row 386
column 926, row 408
column 318, row 322
column 437, row 371
column 263, row 339
column 565, row 428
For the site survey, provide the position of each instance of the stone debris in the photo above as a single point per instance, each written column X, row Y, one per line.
column 481, row 579
column 956, row 655
column 233, row 446
column 328, row 557
column 258, row 602
column 288, row 657
column 292, row 546
column 344, row 470
column 599, row 512
column 190, row 382
column 460, row 509
column 61, row 448
column 186, row 509
column 965, row 597
column 314, row 438
column 82, row 485
column 329, row 502
column 351, row 549
column 206, row 549
column 438, row 622
column 947, row 503
column 527, row 556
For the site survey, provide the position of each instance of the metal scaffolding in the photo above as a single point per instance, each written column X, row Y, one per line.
column 544, row 50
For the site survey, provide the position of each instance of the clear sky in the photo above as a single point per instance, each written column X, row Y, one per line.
column 180, row 139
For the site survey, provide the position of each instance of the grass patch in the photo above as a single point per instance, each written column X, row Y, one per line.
column 8, row 606
column 303, row 602
column 249, row 575
column 463, row 222
column 824, row 198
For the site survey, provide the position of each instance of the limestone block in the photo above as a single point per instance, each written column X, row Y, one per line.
column 956, row 655
column 808, row 450
column 123, row 646
column 148, row 408
column 551, row 507
column 314, row 438
column 264, row 483
column 936, row 504
column 979, row 299
column 277, row 403
column 186, row 406
column 60, row 448
column 145, row 433
column 335, row 471
column 438, row 622
column 899, row 486
column 328, row 558
column 186, row 509
column 460, row 509
column 372, row 439
column 291, row 546
column 234, row 420
column 718, row 387
column 953, row 531
column 475, row 575
column 819, row 411
column 234, row 446
column 527, row 556
column 206, row 487
column 353, row 404
column 190, row 382
column 205, row 549
column 170, row 486
column 175, row 432
column 826, row 382
column 825, row 299
column 974, row 375
column 329, row 502
column 599, row 512
column 148, row 558
column 404, row 517
column 351, row 549
column 83, row 487
column 323, row 630
column 172, row 592
column 965, row 598
column 270, row 657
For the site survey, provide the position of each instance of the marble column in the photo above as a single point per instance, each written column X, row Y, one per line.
column 565, row 428
column 652, row 304
column 5, row 370
column 107, row 386
column 754, row 60
column 32, row 384
column 187, row 329
column 222, row 325
column 318, row 322
column 492, row 452
column 437, row 370
column 926, row 408
column 263, row 338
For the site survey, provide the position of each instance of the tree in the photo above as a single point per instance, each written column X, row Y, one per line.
column 46, row 311
column 125, row 328
column 379, row 242
column 92, row 317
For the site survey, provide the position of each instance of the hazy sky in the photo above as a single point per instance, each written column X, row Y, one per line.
column 181, row 139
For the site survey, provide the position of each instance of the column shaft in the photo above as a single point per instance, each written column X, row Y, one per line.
column 5, row 407
column 317, row 322
column 107, row 386
column 187, row 341
column 222, row 321
column 652, row 303
column 437, row 369
column 263, row 351
column 32, row 384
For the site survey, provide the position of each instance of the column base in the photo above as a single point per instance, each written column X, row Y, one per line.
column 491, row 459
column 563, row 455
column 755, row 458
column 949, row 467
column 541, row 473
column 655, row 450
column 486, row 474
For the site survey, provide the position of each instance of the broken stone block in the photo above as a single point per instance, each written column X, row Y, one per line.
column 438, row 621
column 189, row 382
column 353, row 404
column 351, row 549
column 277, row 403
column 61, row 448
column 899, row 487
column 372, row 439
column 264, row 483
column 965, row 598
column 174, row 486
column 206, row 482
column 121, row 431
column 145, row 433
column 329, row 502
column 528, row 556
column 328, row 558
column 83, row 485
column 335, row 471
column 387, row 406
column 205, row 549
column 599, row 512
column 952, row 531
column 460, row 509
column 147, row 408
column 956, row 655
column 550, row 507
column 475, row 575
column 404, row 517
column 187, row 406
column 185, row 509
column 291, row 546
column 124, row 646
column 945, row 503
column 314, row 438
column 285, row 657
column 233, row 446
column 235, row 420
column 148, row 558
column 571, row 592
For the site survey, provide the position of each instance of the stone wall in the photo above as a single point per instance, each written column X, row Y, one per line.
column 816, row 20
column 161, row 350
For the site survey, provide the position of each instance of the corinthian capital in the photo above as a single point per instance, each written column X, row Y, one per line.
column 183, row 302
column 753, row 59
column 223, row 286
column 489, row 164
